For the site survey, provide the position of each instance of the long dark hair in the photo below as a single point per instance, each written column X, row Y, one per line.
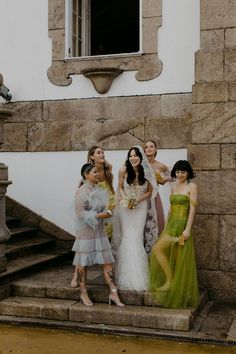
column 131, row 172
column 85, row 169
column 183, row 165
column 106, row 167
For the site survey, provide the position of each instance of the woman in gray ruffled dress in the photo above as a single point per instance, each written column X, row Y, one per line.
column 92, row 245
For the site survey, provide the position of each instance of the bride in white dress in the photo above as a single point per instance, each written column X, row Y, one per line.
column 136, row 184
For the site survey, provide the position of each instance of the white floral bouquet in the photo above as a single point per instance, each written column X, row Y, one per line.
column 129, row 201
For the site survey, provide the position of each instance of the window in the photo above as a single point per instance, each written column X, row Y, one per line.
column 103, row 27
column 103, row 37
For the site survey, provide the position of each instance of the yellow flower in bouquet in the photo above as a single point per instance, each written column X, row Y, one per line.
column 181, row 240
column 129, row 201
column 159, row 178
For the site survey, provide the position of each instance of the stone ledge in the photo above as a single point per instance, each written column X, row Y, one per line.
column 159, row 318
column 36, row 307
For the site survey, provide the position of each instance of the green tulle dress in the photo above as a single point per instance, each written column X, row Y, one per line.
column 179, row 289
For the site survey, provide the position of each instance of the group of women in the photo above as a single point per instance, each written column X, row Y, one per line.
column 126, row 231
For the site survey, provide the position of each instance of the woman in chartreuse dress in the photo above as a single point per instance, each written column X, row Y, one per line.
column 173, row 276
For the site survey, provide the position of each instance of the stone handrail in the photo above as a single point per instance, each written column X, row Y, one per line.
column 4, row 182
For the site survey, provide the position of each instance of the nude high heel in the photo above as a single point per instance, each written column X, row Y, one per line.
column 85, row 299
column 113, row 296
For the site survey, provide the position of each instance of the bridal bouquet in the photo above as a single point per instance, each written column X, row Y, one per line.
column 129, row 201
column 159, row 178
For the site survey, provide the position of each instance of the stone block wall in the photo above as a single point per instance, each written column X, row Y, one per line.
column 213, row 149
column 113, row 123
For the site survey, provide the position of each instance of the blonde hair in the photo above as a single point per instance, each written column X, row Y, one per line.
column 106, row 167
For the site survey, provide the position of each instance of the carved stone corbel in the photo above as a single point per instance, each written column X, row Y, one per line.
column 102, row 78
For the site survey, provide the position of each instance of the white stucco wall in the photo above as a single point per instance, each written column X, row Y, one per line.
column 46, row 182
column 25, row 53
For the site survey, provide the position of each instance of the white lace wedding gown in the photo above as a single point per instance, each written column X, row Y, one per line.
column 132, row 259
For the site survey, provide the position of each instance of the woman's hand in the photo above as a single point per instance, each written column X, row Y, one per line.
column 186, row 234
column 103, row 215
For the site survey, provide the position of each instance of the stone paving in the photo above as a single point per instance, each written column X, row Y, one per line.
column 46, row 298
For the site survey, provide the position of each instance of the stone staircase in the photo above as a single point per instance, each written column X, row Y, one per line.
column 35, row 289
column 28, row 250
column 46, row 298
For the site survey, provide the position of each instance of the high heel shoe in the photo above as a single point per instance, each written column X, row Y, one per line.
column 113, row 296
column 85, row 300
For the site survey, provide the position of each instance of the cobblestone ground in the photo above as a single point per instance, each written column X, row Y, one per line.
column 23, row 340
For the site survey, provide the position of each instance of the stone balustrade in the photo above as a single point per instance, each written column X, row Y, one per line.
column 4, row 182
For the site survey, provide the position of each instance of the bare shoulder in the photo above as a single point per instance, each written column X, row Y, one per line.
column 122, row 170
column 109, row 166
column 192, row 187
column 173, row 187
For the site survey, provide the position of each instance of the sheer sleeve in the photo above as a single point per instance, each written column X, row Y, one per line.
column 84, row 215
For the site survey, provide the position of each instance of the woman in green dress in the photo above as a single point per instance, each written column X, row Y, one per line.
column 173, row 276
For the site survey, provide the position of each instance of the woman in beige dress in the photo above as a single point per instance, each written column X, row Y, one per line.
column 162, row 175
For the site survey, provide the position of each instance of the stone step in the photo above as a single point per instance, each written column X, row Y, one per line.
column 69, row 310
column 55, row 283
column 22, row 266
column 22, row 232
column 12, row 221
column 28, row 246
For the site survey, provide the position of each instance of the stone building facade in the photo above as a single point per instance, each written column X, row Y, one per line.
column 213, row 148
column 203, row 122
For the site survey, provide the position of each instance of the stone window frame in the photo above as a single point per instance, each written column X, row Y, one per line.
column 103, row 69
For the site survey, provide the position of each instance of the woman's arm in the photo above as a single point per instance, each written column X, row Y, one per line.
column 162, row 173
column 121, row 177
column 145, row 195
column 192, row 209
column 85, row 216
column 89, row 217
